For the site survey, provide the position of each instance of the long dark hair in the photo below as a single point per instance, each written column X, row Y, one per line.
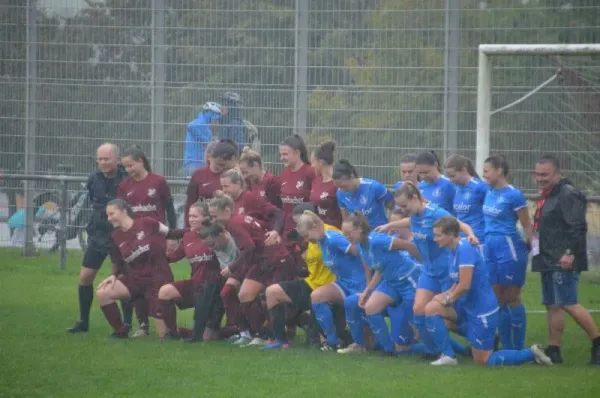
column 498, row 162
column 429, row 158
column 325, row 152
column 297, row 144
column 458, row 162
column 344, row 169
column 136, row 153
column 122, row 205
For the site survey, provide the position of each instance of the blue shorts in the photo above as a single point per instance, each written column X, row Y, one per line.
column 402, row 290
column 479, row 330
column 435, row 285
column 348, row 288
column 560, row 288
column 506, row 258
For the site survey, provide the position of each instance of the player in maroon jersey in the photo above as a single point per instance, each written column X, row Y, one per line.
column 258, row 180
column 246, row 202
column 148, row 195
column 296, row 178
column 140, row 267
column 269, row 263
column 323, row 192
column 201, row 291
column 207, row 180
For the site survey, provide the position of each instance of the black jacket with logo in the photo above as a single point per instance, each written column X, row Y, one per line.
column 562, row 228
column 102, row 190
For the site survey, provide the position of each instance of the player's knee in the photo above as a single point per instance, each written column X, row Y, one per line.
column 166, row 292
column 419, row 308
column 432, row 308
column 86, row 276
column 371, row 308
column 245, row 296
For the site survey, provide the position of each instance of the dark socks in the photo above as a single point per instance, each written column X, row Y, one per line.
column 254, row 314
column 86, row 296
column 127, row 308
column 141, row 311
column 278, row 318
column 231, row 304
column 169, row 313
column 205, row 306
column 113, row 316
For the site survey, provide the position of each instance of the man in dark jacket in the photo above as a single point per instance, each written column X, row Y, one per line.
column 102, row 187
column 560, row 254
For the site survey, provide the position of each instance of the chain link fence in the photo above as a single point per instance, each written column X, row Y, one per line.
column 381, row 77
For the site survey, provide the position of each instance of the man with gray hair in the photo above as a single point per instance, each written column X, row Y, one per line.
column 559, row 253
column 102, row 188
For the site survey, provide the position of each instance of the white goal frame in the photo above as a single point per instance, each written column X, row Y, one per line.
column 484, row 82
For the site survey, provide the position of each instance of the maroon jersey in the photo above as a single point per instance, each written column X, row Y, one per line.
column 204, row 262
column 295, row 189
column 140, row 249
column 269, row 188
column 258, row 208
column 323, row 196
column 148, row 197
column 202, row 187
column 248, row 233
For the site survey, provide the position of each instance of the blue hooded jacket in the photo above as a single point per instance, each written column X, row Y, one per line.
column 197, row 137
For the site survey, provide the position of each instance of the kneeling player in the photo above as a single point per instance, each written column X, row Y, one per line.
column 470, row 306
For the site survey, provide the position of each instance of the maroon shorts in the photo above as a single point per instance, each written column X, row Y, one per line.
column 147, row 287
column 241, row 273
column 188, row 292
column 274, row 271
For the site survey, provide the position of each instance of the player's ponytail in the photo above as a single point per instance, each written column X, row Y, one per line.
column 325, row 152
column 297, row 144
column 428, row 158
column 251, row 157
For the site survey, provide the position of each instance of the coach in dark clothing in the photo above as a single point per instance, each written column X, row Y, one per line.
column 102, row 187
column 560, row 254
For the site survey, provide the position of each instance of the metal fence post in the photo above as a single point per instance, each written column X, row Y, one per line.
column 157, row 151
column 301, row 67
column 451, row 76
column 30, row 123
column 64, row 208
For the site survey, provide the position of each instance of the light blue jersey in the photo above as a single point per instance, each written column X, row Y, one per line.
column 435, row 259
column 393, row 265
column 480, row 299
column 371, row 199
column 440, row 192
column 348, row 269
column 500, row 210
column 468, row 205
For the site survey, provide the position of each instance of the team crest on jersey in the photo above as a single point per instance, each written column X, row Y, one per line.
column 362, row 199
column 262, row 194
column 299, row 184
column 324, row 195
column 140, row 235
column 500, row 199
column 437, row 193
column 151, row 192
column 248, row 219
column 241, row 210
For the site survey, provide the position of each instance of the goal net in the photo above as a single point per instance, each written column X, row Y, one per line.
column 540, row 99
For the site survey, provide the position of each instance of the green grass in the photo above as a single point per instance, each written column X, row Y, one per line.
column 38, row 301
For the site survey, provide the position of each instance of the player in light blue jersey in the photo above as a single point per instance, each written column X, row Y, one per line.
column 470, row 193
column 470, row 306
column 434, row 186
column 367, row 196
column 392, row 287
column 506, row 252
column 341, row 257
column 434, row 271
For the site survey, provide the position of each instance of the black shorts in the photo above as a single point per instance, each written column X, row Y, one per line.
column 299, row 292
column 94, row 257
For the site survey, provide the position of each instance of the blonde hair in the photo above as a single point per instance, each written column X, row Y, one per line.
column 222, row 203
column 251, row 157
column 309, row 220
column 235, row 176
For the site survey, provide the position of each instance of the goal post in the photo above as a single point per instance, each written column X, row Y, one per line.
column 484, row 81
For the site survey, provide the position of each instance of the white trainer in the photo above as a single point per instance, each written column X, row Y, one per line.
column 256, row 342
column 444, row 360
column 352, row 349
column 243, row 340
column 540, row 356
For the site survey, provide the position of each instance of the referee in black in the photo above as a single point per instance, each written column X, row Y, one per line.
column 102, row 187
column 559, row 253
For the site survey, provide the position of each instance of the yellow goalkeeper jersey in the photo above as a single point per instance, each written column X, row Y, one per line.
column 319, row 274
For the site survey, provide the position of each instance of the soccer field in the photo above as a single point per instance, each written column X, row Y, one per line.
column 39, row 359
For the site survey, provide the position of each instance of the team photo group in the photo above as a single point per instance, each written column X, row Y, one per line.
column 355, row 266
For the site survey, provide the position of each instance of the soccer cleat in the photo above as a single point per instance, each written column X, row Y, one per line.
column 169, row 336
column 118, row 335
column 275, row 345
column 445, row 360
column 256, row 342
column 232, row 339
column 78, row 327
column 143, row 331
column 242, row 341
column 540, row 356
column 352, row 349
column 328, row 347
column 595, row 355
column 553, row 352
